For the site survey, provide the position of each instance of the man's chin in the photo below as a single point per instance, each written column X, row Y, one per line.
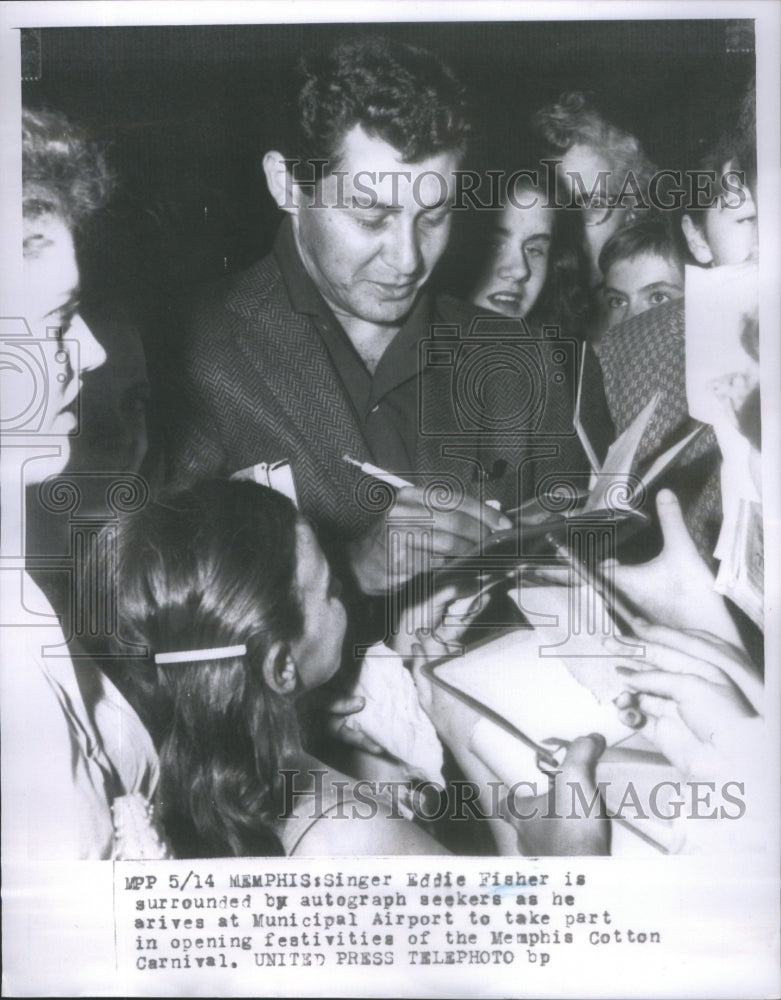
column 387, row 311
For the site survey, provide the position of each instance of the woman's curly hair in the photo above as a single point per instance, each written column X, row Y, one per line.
column 63, row 173
column 574, row 121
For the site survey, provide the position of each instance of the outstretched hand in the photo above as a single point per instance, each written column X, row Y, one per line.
column 675, row 588
column 570, row 819
column 697, row 697
column 420, row 637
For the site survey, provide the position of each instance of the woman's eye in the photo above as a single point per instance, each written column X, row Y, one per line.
column 614, row 302
column 535, row 252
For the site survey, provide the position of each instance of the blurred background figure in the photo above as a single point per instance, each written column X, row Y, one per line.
column 114, row 400
column 78, row 766
column 596, row 158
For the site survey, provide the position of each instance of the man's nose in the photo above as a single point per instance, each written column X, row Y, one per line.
column 91, row 354
column 403, row 249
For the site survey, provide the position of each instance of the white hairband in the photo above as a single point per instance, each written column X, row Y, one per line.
column 193, row 655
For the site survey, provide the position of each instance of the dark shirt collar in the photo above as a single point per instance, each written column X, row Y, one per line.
column 302, row 291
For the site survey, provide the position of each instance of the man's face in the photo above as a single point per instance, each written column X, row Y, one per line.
column 68, row 348
column 516, row 272
column 374, row 245
column 639, row 283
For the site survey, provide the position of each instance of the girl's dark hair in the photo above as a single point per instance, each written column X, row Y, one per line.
column 565, row 299
column 214, row 566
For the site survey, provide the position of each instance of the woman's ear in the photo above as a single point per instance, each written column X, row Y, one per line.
column 280, row 182
column 696, row 242
column 279, row 669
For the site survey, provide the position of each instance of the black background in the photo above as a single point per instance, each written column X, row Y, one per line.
column 187, row 113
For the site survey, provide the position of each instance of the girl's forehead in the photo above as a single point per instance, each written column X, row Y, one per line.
column 529, row 215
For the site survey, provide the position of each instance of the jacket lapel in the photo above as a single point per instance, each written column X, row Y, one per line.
column 293, row 363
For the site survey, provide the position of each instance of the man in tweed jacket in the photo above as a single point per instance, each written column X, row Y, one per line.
column 333, row 344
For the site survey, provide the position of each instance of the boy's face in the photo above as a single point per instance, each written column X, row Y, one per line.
column 726, row 233
column 731, row 232
column 632, row 286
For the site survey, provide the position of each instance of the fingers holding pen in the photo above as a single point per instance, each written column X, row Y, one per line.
column 455, row 531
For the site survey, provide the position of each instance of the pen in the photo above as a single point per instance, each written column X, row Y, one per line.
column 542, row 752
column 393, row 480
column 618, row 610
column 378, row 473
column 534, row 502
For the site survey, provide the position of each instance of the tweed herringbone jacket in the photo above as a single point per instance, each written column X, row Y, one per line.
column 495, row 403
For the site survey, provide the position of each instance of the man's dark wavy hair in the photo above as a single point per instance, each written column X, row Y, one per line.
column 210, row 567
column 63, row 173
column 396, row 92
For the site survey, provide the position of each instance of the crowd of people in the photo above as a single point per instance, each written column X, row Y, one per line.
column 248, row 622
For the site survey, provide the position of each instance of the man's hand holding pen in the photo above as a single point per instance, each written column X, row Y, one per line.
column 380, row 567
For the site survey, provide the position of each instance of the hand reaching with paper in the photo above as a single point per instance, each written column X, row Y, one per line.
column 567, row 820
column 700, row 698
column 675, row 588
column 382, row 715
